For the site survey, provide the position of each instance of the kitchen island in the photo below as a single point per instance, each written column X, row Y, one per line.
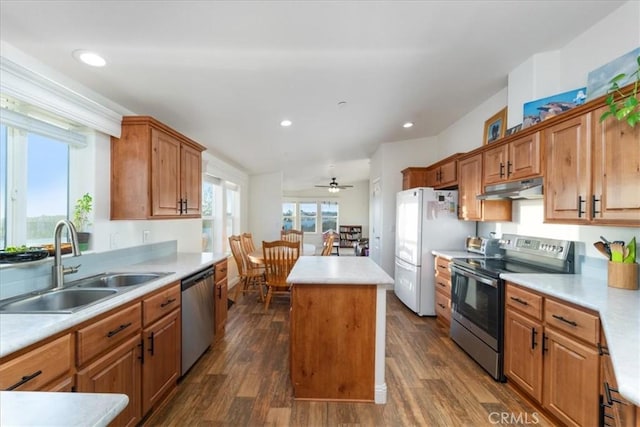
column 338, row 327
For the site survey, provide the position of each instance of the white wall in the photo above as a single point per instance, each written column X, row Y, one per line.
column 265, row 207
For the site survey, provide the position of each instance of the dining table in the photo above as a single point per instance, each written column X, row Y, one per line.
column 257, row 256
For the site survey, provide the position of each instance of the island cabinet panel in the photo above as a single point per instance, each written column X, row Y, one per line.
column 333, row 330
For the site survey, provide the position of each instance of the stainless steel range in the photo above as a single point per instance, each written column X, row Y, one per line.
column 477, row 293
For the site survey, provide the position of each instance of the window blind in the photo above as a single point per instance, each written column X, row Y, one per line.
column 27, row 123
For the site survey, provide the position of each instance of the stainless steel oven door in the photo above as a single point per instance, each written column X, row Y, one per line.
column 476, row 305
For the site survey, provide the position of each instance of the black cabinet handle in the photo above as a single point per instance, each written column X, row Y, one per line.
column 594, row 211
column 441, row 284
column 24, row 380
column 442, row 306
column 580, row 202
column 544, row 343
column 141, row 345
column 501, row 170
column 509, row 164
column 180, row 207
column 603, row 350
column 607, row 393
column 185, row 206
column 220, row 291
column 519, row 301
column 169, row 301
column 151, row 343
column 533, row 338
column 118, row 329
column 562, row 319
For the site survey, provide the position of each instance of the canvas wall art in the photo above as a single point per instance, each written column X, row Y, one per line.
column 598, row 79
column 541, row 109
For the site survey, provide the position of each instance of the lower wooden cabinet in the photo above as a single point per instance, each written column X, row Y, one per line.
column 443, row 290
column 220, row 297
column 118, row 371
column 552, row 358
column 615, row 410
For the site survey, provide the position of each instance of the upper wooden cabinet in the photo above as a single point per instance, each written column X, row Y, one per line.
column 469, row 186
column 513, row 161
column 592, row 172
column 414, row 177
column 155, row 172
column 443, row 174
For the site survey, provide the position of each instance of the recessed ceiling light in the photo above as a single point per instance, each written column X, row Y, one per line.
column 285, row 123
column 407, row 125
column 89, row 58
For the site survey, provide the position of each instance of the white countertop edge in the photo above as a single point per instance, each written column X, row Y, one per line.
column 13, row 326
column 451, row 254
column 619, row 311
column 38, row 408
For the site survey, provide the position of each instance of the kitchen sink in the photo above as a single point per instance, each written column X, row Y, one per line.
column 57, row 301
column 115, row 280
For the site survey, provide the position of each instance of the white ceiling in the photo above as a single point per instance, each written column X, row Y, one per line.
column 225, row 73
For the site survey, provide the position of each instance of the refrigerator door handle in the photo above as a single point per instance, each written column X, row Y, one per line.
column 405, row 265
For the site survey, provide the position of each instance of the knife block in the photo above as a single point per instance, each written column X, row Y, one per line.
column 622, row 275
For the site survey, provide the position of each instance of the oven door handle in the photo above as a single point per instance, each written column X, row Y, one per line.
column 487, row 281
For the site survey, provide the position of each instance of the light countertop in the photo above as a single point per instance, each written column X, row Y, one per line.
column 40, row 408
column 351, row 270
column 451, row 254
column 21, row 330
column 619, row 311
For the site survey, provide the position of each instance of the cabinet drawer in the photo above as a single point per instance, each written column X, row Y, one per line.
column 160, row 304
column 572, row 320
column 524, row 301
column 443, row 307
column 442, row 267
column 102, row 335
column 443, row 284
column 34, row 370
column 220, row 271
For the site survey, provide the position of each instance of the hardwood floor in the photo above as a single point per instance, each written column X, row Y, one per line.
column 243, row 380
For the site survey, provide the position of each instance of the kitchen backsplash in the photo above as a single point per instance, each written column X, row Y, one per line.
column 16, row 279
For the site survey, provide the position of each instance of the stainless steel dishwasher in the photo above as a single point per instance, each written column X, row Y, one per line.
column 197, row 316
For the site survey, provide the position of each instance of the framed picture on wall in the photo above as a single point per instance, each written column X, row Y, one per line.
column 495, row 127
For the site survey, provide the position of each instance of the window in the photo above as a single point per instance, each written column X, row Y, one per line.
column 307, row 218
column 34, row 185
column 329, row 214
column 220, row 213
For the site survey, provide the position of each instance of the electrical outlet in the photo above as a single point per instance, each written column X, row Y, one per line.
column 146, row 235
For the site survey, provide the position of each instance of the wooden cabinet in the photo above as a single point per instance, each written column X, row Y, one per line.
column 117, row 371
column 323, row 319
column 47, row 367
column 469, row 186
column 592, row 171
column 443, row 289
column 615, row 410
column 162, row 340
column 350, row 235
column 443, row 174
column 220, row 297
column 414, row 177
column 516, row 160
column 155, row 172
column 551, row 354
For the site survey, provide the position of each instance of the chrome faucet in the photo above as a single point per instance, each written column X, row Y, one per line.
column 58, row 269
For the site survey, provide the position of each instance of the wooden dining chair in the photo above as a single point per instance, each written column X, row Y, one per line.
column 252, row 278
column 292, row 236
column 279, row 258
column 328, row 245
column 247, row 242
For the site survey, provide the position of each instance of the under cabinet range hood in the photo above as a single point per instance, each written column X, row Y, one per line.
column 525, row 189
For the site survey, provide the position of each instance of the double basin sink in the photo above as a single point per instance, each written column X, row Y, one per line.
column 78, row 294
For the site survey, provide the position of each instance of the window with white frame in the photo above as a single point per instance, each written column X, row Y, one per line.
column 220, row 213
column 305, row 216
column 34, row 182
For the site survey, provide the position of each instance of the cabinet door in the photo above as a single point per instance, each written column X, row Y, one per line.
column 524, row 157
column 470, row 183
column 522, row 353
column 616, row 172
column 495, row 164
column 567, row 166
column 432, row 176
column 570, row 380
column 165, row 174
column 448, row 174
column 191, row 182
column 220, row 309
column 118, row 371
column 161, row 367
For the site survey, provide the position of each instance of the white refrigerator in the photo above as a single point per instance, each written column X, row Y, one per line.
column 426, row 219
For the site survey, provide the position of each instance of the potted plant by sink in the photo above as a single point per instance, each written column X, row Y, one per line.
column 81, row 212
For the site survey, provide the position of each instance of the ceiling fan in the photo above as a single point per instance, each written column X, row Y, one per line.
column 334, row 187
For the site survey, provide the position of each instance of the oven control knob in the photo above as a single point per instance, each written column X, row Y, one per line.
column 560, row 248
column 553, row 248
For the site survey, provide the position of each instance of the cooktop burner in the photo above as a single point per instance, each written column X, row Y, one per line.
column 493, row 267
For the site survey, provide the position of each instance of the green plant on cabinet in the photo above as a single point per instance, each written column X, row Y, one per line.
column 622, row 108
